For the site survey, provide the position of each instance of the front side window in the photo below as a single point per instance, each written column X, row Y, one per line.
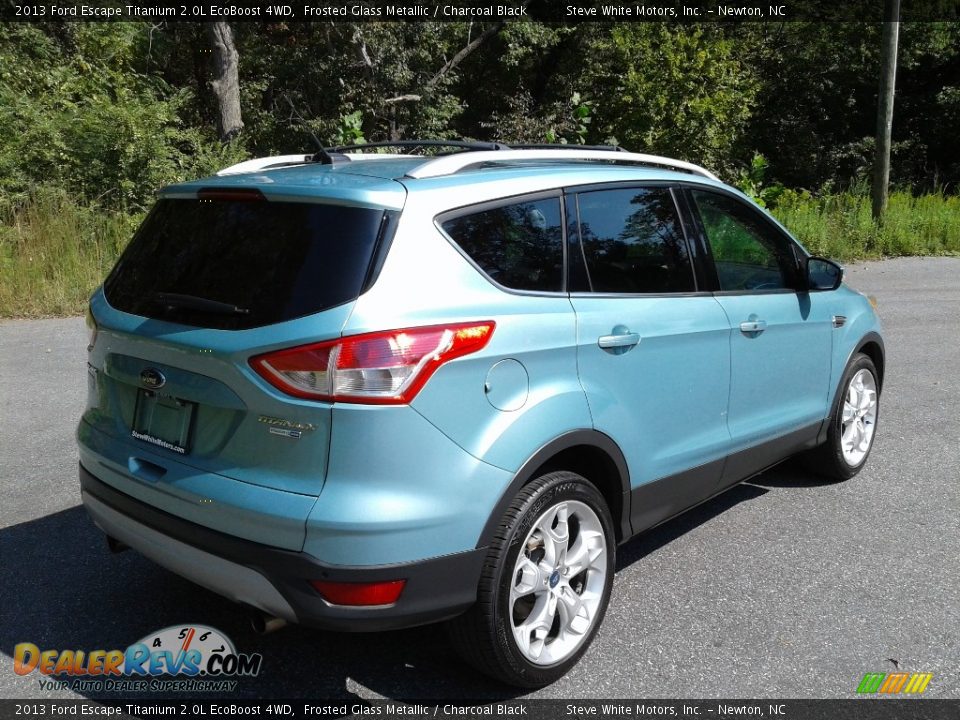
column 632, row 242
column 520, row 246
column 747, row 253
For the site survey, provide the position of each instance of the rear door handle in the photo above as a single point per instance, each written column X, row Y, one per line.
column 753, row 326
column 622, row 340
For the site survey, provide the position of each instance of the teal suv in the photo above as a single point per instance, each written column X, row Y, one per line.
column 367, row 389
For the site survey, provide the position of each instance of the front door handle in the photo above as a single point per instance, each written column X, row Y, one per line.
column 621, row 340
column 753, row 326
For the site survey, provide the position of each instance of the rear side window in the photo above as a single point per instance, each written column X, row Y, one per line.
column 632, row 242
column 520, row 246
column 235, row 264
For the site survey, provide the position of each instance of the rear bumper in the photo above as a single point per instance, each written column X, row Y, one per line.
column 276, row 581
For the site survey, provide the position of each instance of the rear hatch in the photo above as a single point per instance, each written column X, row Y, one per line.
column 212, row 278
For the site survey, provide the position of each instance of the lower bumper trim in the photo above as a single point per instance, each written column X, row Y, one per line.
column 233, row 581
column 276, row 581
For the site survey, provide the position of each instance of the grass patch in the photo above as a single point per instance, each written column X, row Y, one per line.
column 54, row 252
column 840, row 226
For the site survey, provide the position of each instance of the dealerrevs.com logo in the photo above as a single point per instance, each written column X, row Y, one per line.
column 180, row 658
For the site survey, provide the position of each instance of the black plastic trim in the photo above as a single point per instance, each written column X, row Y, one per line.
column 747, row 463
column 693, row 249
column 874, row 338
column 657, row 502
column 578, row 273
column 381, row 248
column 705, row 265
column 589, row 438
column 595, row 186
column 587, row 294
column 758, row 291
column 565, row 240
column 702, row 258
column 436, row 589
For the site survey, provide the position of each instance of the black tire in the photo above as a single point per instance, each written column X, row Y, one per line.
column 828, row 459
column 484, row 635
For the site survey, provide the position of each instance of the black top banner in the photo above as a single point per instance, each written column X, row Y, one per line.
column 557, row 11
column 528, row 709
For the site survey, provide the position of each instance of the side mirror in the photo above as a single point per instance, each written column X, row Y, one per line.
column 823, row 274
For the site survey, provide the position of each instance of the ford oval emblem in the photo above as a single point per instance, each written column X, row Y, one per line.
column 152, row 378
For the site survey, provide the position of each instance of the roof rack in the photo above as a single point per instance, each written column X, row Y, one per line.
column 336, row 155
column 451, row 164
column 471, row 155
column 413, row 144
column 564, row 146
column 265, row 163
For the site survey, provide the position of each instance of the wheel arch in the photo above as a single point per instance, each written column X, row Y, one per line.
column 589, row 453
column 870, row 345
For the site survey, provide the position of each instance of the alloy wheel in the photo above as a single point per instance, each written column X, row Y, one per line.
column 858, row 418
column 558, row 582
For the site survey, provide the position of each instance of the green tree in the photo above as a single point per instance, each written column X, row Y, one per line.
column 673, row 90
column 816, row 106
column 77, row 115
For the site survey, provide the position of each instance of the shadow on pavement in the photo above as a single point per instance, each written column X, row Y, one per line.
column 65, row 590
column 649, row 542
column 791, row 474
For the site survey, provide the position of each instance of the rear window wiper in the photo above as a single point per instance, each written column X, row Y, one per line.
column 192, row 302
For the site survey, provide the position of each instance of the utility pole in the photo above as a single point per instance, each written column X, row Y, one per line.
column 888, row 76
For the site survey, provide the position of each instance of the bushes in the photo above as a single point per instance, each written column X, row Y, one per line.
column 98, row 116
column 840, row 225
column 54, row 252
column 87, row 140
column 80, row 117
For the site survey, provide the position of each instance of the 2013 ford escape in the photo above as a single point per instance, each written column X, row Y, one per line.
column 365, row 391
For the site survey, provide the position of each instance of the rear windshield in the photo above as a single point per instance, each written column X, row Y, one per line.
column 235, row 264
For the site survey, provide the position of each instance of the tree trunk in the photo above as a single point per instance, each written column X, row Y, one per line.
column 226, row 82
column 888, row 74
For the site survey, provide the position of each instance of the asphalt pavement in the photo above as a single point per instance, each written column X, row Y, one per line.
column 785, row 587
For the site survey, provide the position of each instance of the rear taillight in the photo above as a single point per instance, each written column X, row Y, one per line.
column 381, row 368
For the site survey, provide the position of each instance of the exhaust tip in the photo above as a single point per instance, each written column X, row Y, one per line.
column 263, row 623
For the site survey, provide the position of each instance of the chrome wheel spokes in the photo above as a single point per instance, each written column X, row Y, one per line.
column 558, row 582
column 858, row 417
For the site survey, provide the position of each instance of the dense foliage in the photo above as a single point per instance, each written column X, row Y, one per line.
column 79, row 113
column 110, row 111
column 96, row 117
